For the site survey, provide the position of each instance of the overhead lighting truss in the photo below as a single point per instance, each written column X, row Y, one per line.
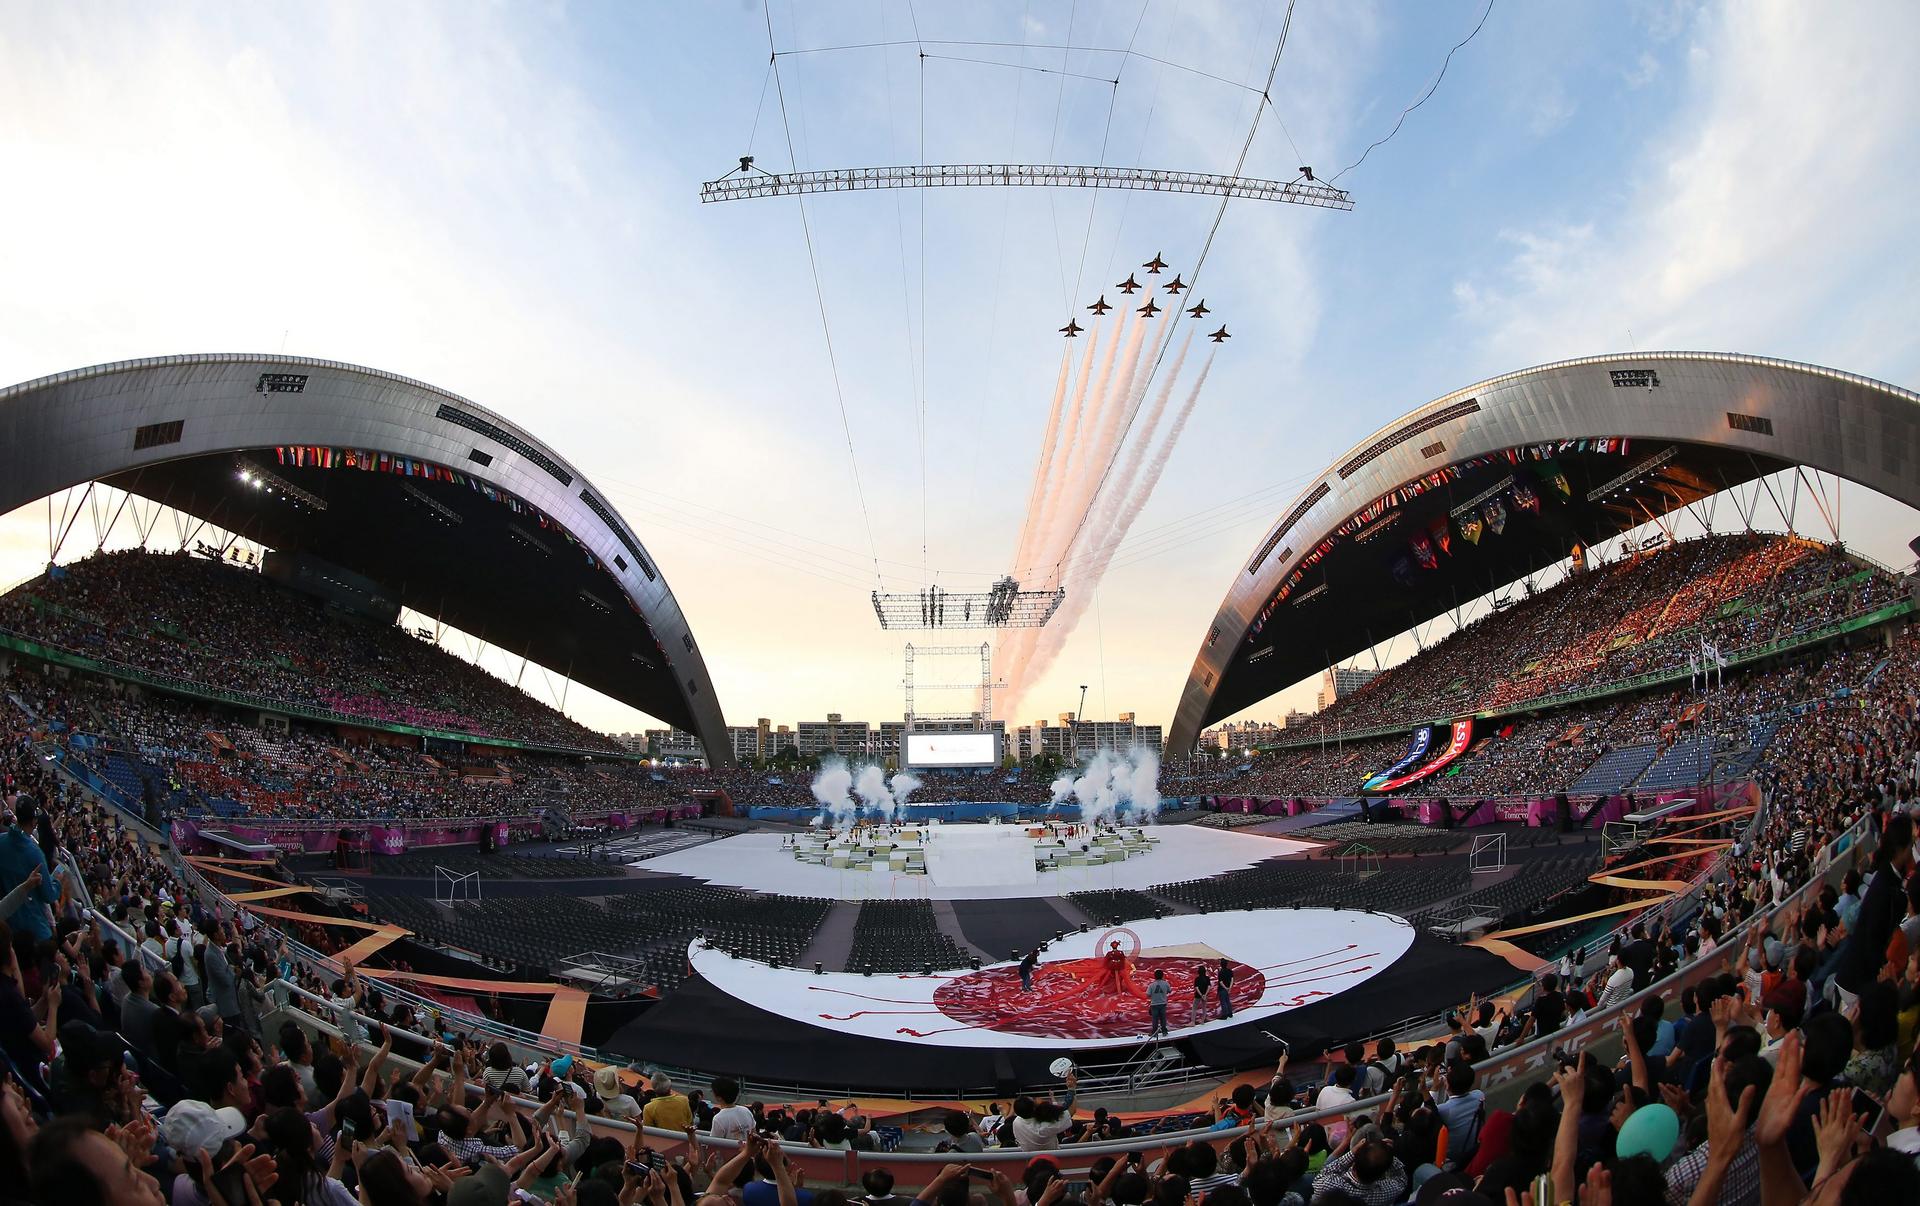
column 754, row 182
column 1004, row 606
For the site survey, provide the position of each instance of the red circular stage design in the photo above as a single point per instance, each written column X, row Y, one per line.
column 1077, row 998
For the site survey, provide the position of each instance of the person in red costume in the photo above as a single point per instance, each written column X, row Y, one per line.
column 1115, row 966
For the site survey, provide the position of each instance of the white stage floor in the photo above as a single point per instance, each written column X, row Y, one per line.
column 757, row 862
column 1283, row 959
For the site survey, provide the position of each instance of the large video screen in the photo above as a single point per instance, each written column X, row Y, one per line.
column 952, row 749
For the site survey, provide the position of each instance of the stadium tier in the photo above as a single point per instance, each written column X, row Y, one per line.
column 390, row 855
column 206, row 622
column 1645, row 615
column 1826, row 730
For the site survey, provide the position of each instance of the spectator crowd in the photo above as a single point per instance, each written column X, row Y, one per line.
column 1785, row 1071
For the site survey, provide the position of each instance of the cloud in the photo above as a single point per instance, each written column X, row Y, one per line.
column 1720, row 231
column 1551, row 109
column 1643, row 72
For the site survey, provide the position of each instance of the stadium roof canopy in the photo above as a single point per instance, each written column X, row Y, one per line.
column 1479, row 488
column 459, row 512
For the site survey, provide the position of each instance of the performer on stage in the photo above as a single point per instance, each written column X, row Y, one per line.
column 1115, row 968
column 1197, row 1011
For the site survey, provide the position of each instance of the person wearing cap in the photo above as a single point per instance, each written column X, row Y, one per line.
column 615, row 1101
column 197, row 1133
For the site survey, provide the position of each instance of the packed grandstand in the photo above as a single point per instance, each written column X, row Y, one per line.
column 1778, row 959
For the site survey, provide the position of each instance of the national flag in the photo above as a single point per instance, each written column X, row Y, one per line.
column 1552, row 474
column 1496, row 515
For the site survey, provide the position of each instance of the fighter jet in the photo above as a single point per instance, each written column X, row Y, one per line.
column 1149, row 309
column 1200, row 309
column 1155, row 264
column 1175, row 285
column 1128, row 285
column 1101, row 306
column 1071, row 329
column 1220, row 336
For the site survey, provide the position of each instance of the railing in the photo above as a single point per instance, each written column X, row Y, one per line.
column 1501, row 1076
column 1502, row 1069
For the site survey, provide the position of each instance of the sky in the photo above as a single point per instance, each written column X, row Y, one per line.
column 502, row 199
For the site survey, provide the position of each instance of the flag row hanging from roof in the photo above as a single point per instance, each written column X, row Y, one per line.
column 1490, row 516
column 319, row 456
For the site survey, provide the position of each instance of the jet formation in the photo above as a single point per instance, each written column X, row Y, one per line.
column 1099, row 306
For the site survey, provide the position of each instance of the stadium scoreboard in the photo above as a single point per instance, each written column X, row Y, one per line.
column 933, row 751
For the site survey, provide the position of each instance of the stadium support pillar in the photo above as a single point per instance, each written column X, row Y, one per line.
column 1562, row 813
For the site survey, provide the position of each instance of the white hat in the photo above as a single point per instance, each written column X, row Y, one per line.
column 194, row 1126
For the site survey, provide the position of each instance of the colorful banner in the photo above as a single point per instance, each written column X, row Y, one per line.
column 1496, row 514
column 1416, row 750
column 1462, row 737
column 1551, row 473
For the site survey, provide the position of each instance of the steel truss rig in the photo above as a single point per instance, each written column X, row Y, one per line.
column 750, row 181
column 1004, row 606
column 972, row 720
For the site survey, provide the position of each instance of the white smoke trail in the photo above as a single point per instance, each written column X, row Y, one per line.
column 1066, row 504
column 1092, row 568
column 1104, row 424
column 831, row 786
column 1023, row 655
column 1160, row 458
column 1047, row 444
column 1118, row 425
column 1076, row 449
column 1011, row 649
column 1113, row 499
column 1070, row 434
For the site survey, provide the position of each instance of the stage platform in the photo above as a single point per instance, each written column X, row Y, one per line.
column 762, row 862
column 1305, row 978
